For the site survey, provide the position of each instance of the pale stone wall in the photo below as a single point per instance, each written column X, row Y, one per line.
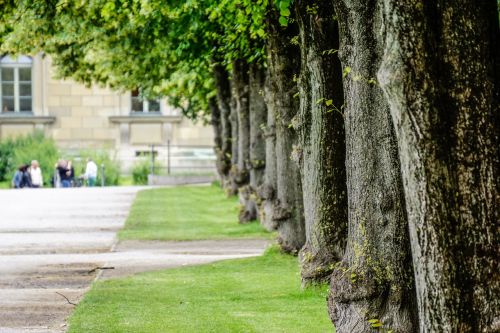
column 190, row 133
column 78, row 118
column 13, row 130
column 141, row 134
column 81, row 113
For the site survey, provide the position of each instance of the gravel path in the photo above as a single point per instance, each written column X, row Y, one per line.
column 53, row 243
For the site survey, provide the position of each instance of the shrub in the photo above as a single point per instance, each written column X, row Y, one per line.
column 142, row 169
column 24, row 149
column 6, row 156
column 100, row 157
column 140, row 172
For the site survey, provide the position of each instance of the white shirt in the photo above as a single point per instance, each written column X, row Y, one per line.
column 91, row 170
column 36, row 176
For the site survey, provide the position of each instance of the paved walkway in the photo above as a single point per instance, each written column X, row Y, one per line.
column 54, row 242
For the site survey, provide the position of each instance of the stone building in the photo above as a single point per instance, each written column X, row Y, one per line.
column 79, row 118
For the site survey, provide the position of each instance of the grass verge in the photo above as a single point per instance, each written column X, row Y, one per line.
column 260, row 294
column 187, row 213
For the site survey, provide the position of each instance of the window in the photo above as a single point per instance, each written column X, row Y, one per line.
column 16, row 84
column 145, row 153
column 140, row 105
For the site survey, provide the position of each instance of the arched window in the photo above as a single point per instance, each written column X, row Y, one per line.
column 16, row 84
column 141, row 105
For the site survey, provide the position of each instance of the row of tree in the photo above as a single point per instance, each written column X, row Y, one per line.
column 365, row 132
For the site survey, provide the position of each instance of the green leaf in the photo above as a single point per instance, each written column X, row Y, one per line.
column 284, row 4
column 373, row 321
column 285, row 12
column 283, row 21
column 329, row 102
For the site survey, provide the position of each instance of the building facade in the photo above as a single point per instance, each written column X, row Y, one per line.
column 81, row 118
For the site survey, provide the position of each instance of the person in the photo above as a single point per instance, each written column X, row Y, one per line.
column 35, row 174
column 65, row 172
column 26, row 177
column 22, row 177
column 71, row 174
column 90, row 172
column 18, row 178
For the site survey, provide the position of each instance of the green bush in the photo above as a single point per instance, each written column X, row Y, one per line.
column 140, row 172
column 6, row 156
column 100, row 157
column 24, row 149
column 142, row 169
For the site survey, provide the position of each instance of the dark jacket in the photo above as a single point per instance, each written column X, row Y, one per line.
column 63, row 173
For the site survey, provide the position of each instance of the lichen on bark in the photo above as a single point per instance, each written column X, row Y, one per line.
column 283, row 63
column 441, row 75
column 321, row 148
column 374, row 279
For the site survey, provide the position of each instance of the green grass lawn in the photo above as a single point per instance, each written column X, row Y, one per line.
column 187, row 213
column 5, row 184
column 260, row 294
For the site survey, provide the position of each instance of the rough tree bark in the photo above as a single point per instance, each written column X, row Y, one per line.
column 215, row 121
column 257, row 150
column 267, row 191
column 223, row 152
column 241, row 171
column 441, row 75
column 320, row 125
column 283, row 64
column 373, row 285
column 232, row 186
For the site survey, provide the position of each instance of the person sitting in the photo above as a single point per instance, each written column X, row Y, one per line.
column 18, row 178
column 22, row 177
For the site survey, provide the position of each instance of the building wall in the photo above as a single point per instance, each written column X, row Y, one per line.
column 77, row 117
column 82, row 114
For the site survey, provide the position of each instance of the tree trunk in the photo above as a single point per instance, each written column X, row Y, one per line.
column 441, row 75
column 283, row 63
column 215, row 121
column 267, row 191
column 373, row 285
column 232, row 186
column 224, row 100
column 258, row 118
column 241, row 91
column 322, row 141
column 258, row 113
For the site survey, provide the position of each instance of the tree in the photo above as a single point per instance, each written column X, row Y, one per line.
column 242, row 52
column 258, row 121
column 268, row 190
column 373, row 284
column 441, row 75
column 283, row 64
column 223, row 87
column 321, row 145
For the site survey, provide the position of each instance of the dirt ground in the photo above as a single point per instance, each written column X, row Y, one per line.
column 55, row 242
